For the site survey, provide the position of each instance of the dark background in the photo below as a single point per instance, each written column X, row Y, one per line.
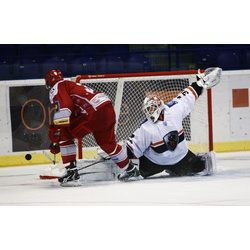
column 31, row 61
column 27, row 61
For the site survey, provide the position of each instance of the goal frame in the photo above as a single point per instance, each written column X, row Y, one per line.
column 78, row 78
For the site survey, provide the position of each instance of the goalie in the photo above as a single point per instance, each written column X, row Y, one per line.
column 159, row 143
column 79, row 110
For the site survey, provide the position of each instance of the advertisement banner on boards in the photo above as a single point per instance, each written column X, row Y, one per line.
column 31, row 113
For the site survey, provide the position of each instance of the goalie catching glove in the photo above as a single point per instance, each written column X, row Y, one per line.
column 209, row 78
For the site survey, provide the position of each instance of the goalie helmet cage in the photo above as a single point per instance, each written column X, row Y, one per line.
column 127, row 92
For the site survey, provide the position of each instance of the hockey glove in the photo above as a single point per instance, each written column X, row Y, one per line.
column 54, row 133
column 54, row 148
column 210, row 78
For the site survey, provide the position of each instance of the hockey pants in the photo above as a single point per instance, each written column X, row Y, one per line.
column 189, row 165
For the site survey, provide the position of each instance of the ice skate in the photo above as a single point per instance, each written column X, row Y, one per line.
column 130, row 172
column 71, row 178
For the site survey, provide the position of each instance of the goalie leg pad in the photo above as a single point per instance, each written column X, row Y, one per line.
column 210, row 163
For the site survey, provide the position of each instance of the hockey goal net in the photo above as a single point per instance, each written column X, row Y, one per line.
column 127, row 92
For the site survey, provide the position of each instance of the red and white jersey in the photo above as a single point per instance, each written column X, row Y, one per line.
column 150, row 138
column 73, row 98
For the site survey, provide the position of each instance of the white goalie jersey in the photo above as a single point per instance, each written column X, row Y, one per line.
column 163, row 142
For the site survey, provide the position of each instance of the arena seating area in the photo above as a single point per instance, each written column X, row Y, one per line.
column 29, row 61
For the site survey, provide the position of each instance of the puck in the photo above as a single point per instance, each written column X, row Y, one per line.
column 28, row 157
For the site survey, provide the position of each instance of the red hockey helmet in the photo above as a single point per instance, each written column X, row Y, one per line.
column 52, row 77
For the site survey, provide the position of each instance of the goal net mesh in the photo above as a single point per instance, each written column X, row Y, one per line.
column 127, row 95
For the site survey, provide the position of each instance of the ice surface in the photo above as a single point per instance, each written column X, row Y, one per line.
column 229, row 186
column 157, row 213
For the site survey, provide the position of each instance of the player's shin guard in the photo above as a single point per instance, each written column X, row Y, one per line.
column 68, row 151
column 119, row 156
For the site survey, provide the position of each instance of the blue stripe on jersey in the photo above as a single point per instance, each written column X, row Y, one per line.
column 171, row 104
column 143, row 122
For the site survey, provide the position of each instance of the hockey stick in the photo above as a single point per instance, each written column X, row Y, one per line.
column 49, row 157
column 54, row 160
column 102, row 160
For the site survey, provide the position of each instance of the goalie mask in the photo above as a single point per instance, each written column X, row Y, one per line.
column 152, row 107
column 52, row 77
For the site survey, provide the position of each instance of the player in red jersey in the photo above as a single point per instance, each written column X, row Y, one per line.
column 80, row 111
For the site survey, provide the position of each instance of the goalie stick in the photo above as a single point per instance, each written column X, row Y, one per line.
column 91, row 173
column 94, row 163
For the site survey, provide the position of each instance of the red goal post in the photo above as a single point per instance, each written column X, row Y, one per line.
column 127, row 91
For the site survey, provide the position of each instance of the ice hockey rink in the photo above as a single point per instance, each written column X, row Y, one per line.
column 230, row 186
column 161, row 212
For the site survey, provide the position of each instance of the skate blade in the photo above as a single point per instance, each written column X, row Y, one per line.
column 76, row 183
column 133, row 178
column 139, row 178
